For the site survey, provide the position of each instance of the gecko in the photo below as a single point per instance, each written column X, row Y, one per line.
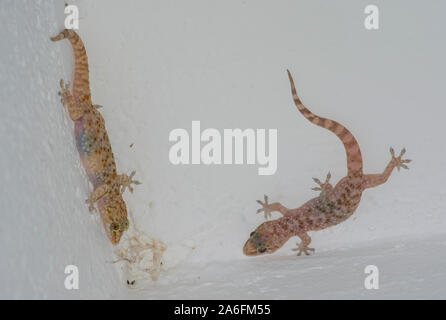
column 333, row 205
column 93, row 145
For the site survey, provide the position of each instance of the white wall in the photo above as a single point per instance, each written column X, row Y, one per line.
column 158, row 65
column 45, row 223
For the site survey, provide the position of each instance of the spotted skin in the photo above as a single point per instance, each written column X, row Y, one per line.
column 94, row 146
column 331, row 207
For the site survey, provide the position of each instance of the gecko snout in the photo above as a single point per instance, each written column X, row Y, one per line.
column 254, row 245
column 114, row 217
column 116, row 229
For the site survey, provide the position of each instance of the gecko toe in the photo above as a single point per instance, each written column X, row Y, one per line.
column 302, row 248
column 265, row 207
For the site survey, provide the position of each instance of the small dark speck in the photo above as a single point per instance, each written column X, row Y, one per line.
column 131, row 145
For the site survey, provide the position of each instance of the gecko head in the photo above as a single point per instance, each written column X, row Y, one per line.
column 261, row 241
column 116, row 229
column 115, row 220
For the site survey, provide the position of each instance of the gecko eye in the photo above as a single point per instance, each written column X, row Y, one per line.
column 262, row 249
column 114, row 226
column 125, row 224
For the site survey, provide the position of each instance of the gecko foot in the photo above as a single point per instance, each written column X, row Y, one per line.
column 265, row 207
column 64, row 86
column 90, row 203
column 322, row 185
column 126, row 182
column 399, row 162
column 65, row 91
column 303, row 248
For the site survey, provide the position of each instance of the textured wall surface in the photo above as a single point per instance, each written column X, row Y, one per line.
column 45, row 223
column 159, row 65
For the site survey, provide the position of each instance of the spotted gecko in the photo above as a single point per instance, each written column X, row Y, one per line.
column 94, row 146
column 331, row 207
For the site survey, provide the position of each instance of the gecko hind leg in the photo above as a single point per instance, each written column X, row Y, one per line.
column 325, row 187
column 398, row 161
column 373, row 180
column 267, row 208
column 126, row 181
column 303, row 245
column 74, row 110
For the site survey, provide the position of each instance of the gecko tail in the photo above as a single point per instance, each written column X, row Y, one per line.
column 66, row 33
column 354, row 158
column 81, row 82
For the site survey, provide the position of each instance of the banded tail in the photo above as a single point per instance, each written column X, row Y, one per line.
column 81, row 82
column 354, row 158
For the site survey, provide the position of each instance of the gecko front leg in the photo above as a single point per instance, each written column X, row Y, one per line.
column 268, row 208
column 126, row 181
column 97, row 193
column 303, row 245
